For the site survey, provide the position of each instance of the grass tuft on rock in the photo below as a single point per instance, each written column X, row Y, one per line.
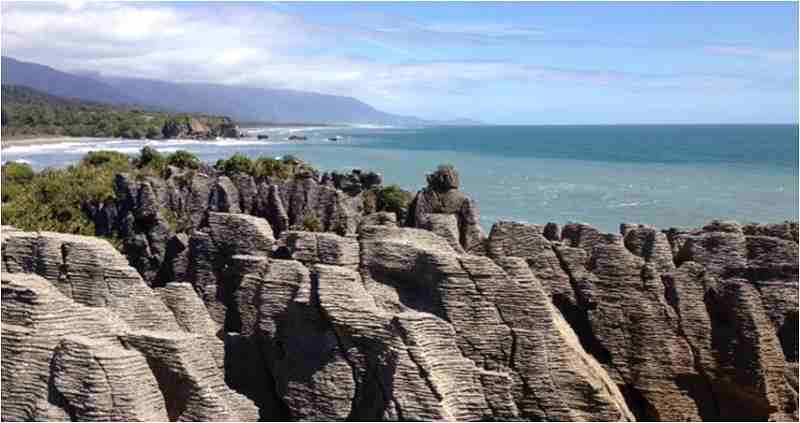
column 311, row 223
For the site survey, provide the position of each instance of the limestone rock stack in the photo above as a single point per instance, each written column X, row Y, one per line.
column 691, row 324
column 248, row 317
column 150, row 212
column 84, row 338
column 442, row 195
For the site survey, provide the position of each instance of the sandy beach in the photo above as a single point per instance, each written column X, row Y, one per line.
column 43, row 140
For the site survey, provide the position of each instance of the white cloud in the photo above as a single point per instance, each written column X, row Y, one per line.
column 784, row 55
column 267, row 47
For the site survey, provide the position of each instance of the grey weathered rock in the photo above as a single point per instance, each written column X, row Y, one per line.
column 650, row 244
column 412, row 332
column 336, row 211
column 100, row 380
column 200, row 128
column 192, row 316
column 352, row 183
column 211, row 252
column 657, row 344
column 149, row 211
column 176, row 259
column 768, row 263
column 247, row 192
column 90, row 272
column 224, row 196
column 317, row 247
column 236, row 233
column 36, row 316
column 511, row 239
column 398, row 323
column 444, row 179
column 651, row 323
column 407, row 269
column 786, row 230
column 193, row 387
column 63, row 360
column 444, row 225
column 379, row 218
column 443, row 196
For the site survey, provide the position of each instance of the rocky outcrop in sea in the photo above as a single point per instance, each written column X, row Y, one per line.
column 200, row 128
column 226, row 307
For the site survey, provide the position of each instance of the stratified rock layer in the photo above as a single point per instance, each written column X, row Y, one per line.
column 383, row 322
column 76, row 325
column 398, row 325
column 442, row 196
column 691, row 324
column 150, row 214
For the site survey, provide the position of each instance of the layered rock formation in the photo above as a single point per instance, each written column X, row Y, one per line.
column 150, row 214
column 200, row 128
column 442, row 196
column 249, row 317
column 691, row 324
column 84, row 338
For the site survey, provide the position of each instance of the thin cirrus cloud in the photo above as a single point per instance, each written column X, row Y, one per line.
column 777, row 55
column 390, row 63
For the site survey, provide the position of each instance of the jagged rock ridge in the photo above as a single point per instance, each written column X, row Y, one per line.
column 387, row 322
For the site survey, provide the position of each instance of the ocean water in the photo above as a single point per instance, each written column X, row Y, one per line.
column 666, row 175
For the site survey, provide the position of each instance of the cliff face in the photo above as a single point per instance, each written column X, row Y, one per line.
column 241, row 316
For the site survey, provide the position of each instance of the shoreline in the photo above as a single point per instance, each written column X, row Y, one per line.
column 35, row 140
column 48, row 140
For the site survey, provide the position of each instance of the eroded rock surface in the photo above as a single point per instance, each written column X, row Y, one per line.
column 150, row 212
column 384, row 322
column 691, row 324
column 442, row 195
column 76, row 321
column 408, row 328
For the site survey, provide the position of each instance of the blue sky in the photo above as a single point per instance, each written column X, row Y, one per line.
column 539, row 63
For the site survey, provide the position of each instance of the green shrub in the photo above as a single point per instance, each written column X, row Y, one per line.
column 15, row 177
column 153, row 133
column 290, row 159
column 60, row 200
column 54, row 199
column 17, row 172
column 170, row 217
column 149, row 157
column 238, row 163
column 185, row 180
column 183, row 159
column 304, row 168
column 311, row 223
column 269, row 167
column 392, row 198
column 106, row 158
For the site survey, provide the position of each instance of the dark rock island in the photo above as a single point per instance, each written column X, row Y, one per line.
column 265, row 290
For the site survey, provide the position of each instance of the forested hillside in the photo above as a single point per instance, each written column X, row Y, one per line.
column 28, row 112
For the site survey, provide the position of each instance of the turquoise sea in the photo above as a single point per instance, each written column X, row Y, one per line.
column 666, row 175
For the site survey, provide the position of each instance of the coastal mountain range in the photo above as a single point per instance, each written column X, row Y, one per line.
column 243, row 104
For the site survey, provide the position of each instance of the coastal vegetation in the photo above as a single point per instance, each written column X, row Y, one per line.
column 58, row 200
column 390, row 198
column 27, row 113
column 62, row 200
column 311, row 223
column 54, row 199
column 264, row 167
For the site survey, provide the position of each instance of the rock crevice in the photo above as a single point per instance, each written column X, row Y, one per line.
column 243, row 315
